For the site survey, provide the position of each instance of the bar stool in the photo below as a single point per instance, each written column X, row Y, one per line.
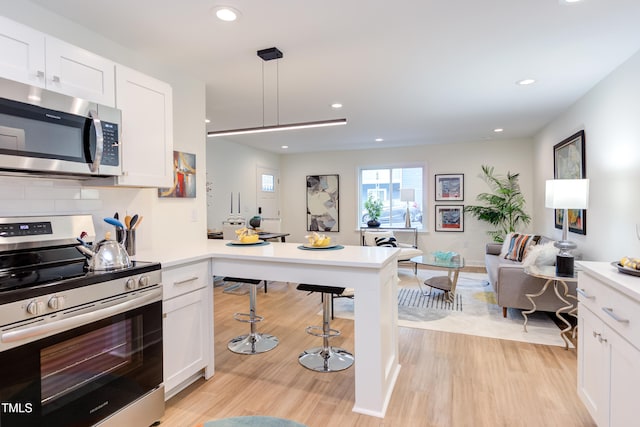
column 325, row 358
column 252, row 343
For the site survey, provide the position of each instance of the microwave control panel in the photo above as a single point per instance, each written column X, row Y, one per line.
column 110, row 153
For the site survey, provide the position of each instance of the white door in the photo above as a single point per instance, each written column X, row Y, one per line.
column 267, row 202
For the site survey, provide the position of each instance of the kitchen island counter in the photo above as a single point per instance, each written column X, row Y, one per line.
column 370, row 271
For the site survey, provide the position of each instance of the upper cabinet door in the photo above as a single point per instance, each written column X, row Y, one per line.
column 22, row 57
column 147, row 129
column 80, row 73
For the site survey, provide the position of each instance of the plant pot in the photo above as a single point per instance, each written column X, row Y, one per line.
column 372, row 223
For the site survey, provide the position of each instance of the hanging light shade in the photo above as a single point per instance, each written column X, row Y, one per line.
column 268, row 55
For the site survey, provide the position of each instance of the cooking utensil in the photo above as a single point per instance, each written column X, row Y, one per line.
column 114, row 222
column 137, row 224
column 107, row 254
column 127, row 222
column 116, row 216
column 134, row 220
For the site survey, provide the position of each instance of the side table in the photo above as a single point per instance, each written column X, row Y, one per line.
column 548, row 272
column 446, row 283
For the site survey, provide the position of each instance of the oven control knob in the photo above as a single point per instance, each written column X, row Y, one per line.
column 131, row 284
column 56, row 303
column 143, row 281
column 35, row 307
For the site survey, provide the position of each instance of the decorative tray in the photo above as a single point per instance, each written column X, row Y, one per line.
column 239, row 243
column 626, row 270
column 316, row 248
column 309, row 246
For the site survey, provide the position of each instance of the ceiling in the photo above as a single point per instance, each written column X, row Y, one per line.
column 408, row 71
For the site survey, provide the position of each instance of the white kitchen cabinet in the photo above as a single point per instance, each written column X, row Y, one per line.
column 32, row 57
column 147, row 129
column 608, row 344
column 187, row 325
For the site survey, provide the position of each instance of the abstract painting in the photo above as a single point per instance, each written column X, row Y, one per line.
column 184, row 176
column 323, row 203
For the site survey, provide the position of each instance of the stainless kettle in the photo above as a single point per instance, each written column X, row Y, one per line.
column 106, row 255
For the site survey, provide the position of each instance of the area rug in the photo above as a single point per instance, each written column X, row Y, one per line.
column 474, row 311
column 251, row 421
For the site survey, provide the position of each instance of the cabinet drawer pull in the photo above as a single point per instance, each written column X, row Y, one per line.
column 617, row 318
column 182, row 282
column 581, row 291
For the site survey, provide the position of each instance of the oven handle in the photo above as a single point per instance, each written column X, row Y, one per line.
column 81, row 319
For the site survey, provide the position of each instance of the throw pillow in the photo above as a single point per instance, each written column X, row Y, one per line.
column 386, row 241
column 543, row 254
column 519, row 244
column 505, row 245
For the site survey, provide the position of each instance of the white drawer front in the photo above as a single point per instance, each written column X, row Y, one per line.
column 623, row 315
column 592, row 293
column 185, row 278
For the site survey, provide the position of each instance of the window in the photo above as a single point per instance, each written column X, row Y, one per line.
column 385, row 184
column 267, row 183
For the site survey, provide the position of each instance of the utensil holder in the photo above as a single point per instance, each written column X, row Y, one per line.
column 130, row 240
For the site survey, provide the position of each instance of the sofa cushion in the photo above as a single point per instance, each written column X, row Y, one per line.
column 518, row 245
column 541, row 254
column 386, row 241
column 371, row 236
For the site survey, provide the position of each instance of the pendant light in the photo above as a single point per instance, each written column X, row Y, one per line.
column 268, row 55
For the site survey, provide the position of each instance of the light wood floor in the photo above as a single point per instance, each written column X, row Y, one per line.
column 446, row 379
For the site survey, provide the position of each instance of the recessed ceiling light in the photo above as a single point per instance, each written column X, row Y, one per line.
column 336, row 105
column 498, row 130
column 207, row 121
column 226, row 13
column 569, row 1
column 379, row 139
column 284, row 146
column 525, row 82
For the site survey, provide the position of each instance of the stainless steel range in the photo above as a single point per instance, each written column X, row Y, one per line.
column 77, row 347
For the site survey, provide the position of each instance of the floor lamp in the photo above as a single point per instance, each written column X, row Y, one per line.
column 566, row 194
column 407, row 195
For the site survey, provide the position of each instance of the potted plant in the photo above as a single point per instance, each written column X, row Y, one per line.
column 374, row 210
column 503, row 207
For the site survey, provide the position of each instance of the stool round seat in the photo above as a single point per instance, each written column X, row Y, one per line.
column 326, row 358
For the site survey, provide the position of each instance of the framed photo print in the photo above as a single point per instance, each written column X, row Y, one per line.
column 449, row 218
column 450, row 187
column 323, row 203
column 569, row 162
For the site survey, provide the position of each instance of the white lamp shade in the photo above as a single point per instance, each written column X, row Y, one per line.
column 407, row 195
column 567, row 193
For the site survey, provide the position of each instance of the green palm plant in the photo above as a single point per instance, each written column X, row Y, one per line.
column 503, row 207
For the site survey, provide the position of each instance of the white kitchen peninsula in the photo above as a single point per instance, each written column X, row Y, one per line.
column 370, row 271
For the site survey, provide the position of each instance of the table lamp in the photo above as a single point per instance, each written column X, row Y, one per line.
column 407, row 195
column 566, row 194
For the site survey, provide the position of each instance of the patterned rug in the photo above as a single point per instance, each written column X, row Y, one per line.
column 474, row 311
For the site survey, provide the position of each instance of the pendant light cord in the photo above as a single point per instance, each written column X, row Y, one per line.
column 278, row 92
column 262, row 93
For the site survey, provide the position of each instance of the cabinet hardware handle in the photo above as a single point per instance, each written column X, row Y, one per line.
column 56, row 79
column 581, row 291
column 617, row 318
column 190, row 279
column 40, row 74
column 600, row 339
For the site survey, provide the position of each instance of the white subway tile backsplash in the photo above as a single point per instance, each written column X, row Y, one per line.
column 25, row 196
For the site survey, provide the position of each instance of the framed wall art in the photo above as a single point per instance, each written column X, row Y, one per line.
column 184, row 176
column 323, row 203
column 449, row 218
column 569, row 162
column 449, row 187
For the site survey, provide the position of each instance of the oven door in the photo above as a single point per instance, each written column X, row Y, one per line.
column 82, row 375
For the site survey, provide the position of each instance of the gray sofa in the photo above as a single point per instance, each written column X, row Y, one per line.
column 511, row 284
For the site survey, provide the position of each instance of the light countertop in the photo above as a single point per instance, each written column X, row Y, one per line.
column 354, row 256
column 624, row 283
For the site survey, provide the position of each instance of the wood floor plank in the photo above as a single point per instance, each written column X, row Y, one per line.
column 446, row 380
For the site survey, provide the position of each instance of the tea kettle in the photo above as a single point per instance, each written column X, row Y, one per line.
column 107, row 254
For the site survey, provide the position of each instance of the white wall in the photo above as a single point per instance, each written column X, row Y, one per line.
column 610, row 117
column 514, row 156
column 167, row 221
column 231, row 168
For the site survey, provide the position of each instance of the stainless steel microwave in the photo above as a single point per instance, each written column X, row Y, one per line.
column 49, row 133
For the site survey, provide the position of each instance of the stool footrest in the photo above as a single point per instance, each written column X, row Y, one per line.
column 247, row 318
column 332, row 332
